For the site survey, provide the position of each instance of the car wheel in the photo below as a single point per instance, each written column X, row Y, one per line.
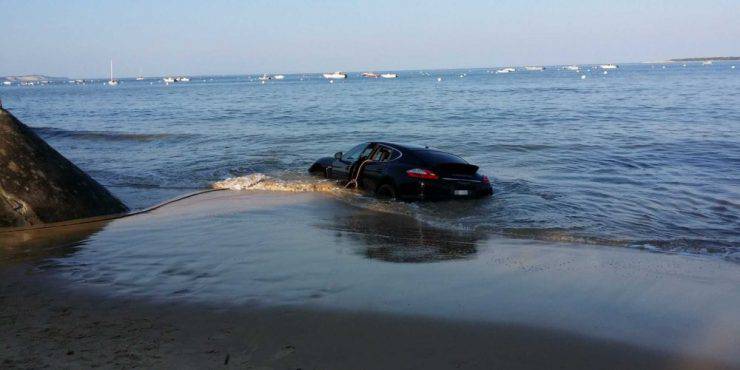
column 386, row 191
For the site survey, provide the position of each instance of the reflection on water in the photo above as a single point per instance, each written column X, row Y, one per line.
column 398, row 238
column 32, row 245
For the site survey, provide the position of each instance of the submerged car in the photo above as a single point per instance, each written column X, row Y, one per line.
column 404, row 172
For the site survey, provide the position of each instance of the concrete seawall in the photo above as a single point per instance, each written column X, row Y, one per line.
column 39, row 185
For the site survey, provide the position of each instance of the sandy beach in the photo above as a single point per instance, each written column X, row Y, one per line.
column 326, row 289
column 45, row 326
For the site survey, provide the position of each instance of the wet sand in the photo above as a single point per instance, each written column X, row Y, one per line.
column 351, row 289
column 44, row 325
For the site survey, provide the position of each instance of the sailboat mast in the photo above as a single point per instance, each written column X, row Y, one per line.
column 111, row 69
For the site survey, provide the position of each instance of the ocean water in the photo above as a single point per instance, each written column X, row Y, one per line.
column 644, row 156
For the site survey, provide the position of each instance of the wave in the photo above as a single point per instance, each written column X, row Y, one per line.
column 260, row 181
column 53, row 132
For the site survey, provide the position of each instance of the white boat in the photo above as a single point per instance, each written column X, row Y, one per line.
column 265, row 77
column 335, row 75
column 706, row 62
column 572, row 68
column 533, row 68
column 7, row 83
column 506, row 70
column 608, row 66
column 389, row 75
column 182, row 79
column 112, row 82
column 370, row 75
column 278, row 77
column 168, row 80
column 140, row 78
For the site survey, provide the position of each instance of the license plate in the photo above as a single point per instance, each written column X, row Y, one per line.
column 462, row 192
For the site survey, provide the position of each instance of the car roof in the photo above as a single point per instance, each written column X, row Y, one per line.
column 406, row 146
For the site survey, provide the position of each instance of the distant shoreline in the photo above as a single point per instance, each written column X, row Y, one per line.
column 702, row 59
column 44, row 78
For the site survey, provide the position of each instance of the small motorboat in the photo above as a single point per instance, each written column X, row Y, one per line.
column 278, row 77
column 706, row 62
column 608, row 66
column 506, row 70
column 533, row 68
column 572, row 68
column 335, row 75
column 169, row 80
column 370, row 75
column 389, row 75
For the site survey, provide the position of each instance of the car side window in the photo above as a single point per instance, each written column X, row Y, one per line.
column 353, row 153
column 382, row 155
column 366, row 152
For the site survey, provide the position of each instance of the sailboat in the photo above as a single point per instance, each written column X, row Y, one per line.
column 112, row 82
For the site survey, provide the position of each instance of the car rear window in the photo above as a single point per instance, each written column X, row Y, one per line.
column 435, row 156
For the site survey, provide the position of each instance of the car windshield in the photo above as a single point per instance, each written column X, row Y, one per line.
column 435, row 156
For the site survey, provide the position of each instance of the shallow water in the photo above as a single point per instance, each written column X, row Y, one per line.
column 643, row 156
column 231, row 249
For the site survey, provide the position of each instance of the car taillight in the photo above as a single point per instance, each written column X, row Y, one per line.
column 486, row 180
column 422, row 174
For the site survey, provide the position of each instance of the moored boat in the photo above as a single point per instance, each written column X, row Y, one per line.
column 608, row 66
column 389, row 75
column 112, row 82
column 335, row 75
column 534, row 68
column 506, row 70
column 370, row 75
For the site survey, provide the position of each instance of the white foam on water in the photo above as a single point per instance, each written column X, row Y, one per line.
column 260, row 181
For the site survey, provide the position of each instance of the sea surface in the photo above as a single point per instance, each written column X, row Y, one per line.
column 645, row 156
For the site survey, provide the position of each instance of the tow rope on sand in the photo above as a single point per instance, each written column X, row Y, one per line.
column 80, row 221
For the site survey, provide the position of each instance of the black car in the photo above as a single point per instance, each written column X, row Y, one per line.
column 406, row 172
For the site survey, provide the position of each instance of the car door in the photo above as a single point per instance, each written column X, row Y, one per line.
column 341, row 167
column 373, row 171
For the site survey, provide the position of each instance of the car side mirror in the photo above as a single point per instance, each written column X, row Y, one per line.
column 338, row 155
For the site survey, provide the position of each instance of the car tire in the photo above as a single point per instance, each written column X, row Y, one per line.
column 386, row 191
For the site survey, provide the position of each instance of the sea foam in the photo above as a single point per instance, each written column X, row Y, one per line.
column 259, row 181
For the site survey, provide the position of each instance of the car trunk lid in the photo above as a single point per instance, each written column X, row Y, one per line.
column 462, row 170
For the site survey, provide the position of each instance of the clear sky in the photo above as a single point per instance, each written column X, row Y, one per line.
column 76, row 38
